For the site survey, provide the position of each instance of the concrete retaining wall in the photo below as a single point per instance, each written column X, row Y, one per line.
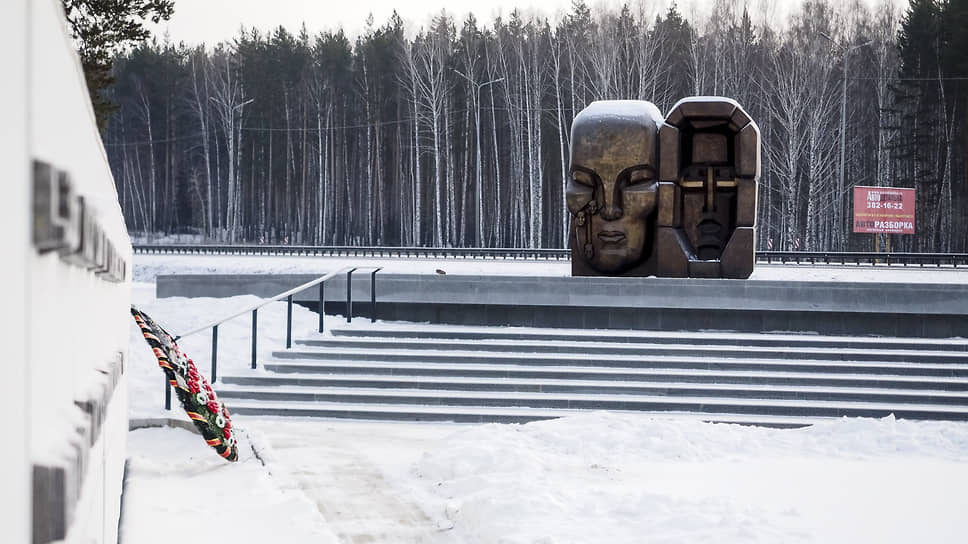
column 894, row 309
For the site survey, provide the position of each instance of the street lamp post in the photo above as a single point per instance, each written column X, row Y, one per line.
column 843, row 139
column 478, row 190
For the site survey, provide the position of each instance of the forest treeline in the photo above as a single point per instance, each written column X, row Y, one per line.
column 457, row 134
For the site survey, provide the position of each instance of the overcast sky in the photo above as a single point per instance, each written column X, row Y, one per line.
column 211, row 21
column 215, row 20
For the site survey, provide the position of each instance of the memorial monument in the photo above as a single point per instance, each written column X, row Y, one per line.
column 672, row 197
column 613, row 190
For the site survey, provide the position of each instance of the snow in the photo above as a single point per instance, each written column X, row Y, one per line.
column 148, row 267
column 691, row 99
column 624, row 109
column 593, row 477
column 165, row 238
column 629, row 478
column 734, row 103
column 177, row 488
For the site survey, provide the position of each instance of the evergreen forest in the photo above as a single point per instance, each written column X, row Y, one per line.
column 456, row 133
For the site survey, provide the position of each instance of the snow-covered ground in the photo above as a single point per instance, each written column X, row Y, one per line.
column 177, row 488
column 593, row 478
column 628, row 479
column 147, row 267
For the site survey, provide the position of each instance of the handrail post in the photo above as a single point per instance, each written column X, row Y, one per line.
column 255, row 334
column 214, row 351
column 167, row 394
column 322, row 303
column 349, row 295
column 289, row 322
column 373, row 295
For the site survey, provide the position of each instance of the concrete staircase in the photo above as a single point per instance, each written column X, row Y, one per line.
column 481, row 374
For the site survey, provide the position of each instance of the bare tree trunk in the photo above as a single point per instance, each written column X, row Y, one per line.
column 449, row 180
column 230, row 101
column 152, row 187
column 497, row 216
column 201, row 110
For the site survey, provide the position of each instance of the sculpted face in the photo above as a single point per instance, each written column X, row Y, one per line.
column 691, row 215
column 612, row 191
column 708, row 207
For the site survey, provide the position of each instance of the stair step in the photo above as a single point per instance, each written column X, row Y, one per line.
column 482, row 414
column 626, row 361
column 311, row 369
column 642, row 403
column 708, row 349
column 485, row 374
column 281, row 387
column 666, row 337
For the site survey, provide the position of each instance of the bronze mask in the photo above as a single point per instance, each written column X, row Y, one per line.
column 612, row 190
column 709, row 151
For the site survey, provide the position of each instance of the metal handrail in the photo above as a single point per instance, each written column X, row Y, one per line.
column 276, row 298
column 254, row 310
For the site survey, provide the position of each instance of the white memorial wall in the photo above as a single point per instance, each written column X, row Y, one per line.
column 66, row 316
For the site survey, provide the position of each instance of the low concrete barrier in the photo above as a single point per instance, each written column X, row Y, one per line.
column 828, row 307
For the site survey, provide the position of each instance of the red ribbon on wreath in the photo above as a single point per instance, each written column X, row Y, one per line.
column 209, row 414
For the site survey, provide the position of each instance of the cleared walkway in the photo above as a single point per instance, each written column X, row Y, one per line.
column 331, row 466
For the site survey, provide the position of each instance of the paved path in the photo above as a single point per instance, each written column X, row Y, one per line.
column 331, row 465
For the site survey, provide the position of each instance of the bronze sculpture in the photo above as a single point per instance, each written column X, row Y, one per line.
column 613, row 190
column 672, row 198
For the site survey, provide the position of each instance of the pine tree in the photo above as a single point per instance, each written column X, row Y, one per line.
column 462, row 138
column 954, row 22
column 101, row 29
column 678, row 36
column 919, row 94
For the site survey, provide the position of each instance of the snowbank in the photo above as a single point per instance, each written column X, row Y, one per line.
column 618, row 478
column 614, row 478
column 147, row 267
column 177, row 488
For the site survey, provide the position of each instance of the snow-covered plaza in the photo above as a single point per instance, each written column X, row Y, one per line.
column 596, row 477
column 501, row 273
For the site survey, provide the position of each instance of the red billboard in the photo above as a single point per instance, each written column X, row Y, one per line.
column 884, row 210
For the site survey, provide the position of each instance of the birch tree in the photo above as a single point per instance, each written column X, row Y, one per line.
column 228, row 96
